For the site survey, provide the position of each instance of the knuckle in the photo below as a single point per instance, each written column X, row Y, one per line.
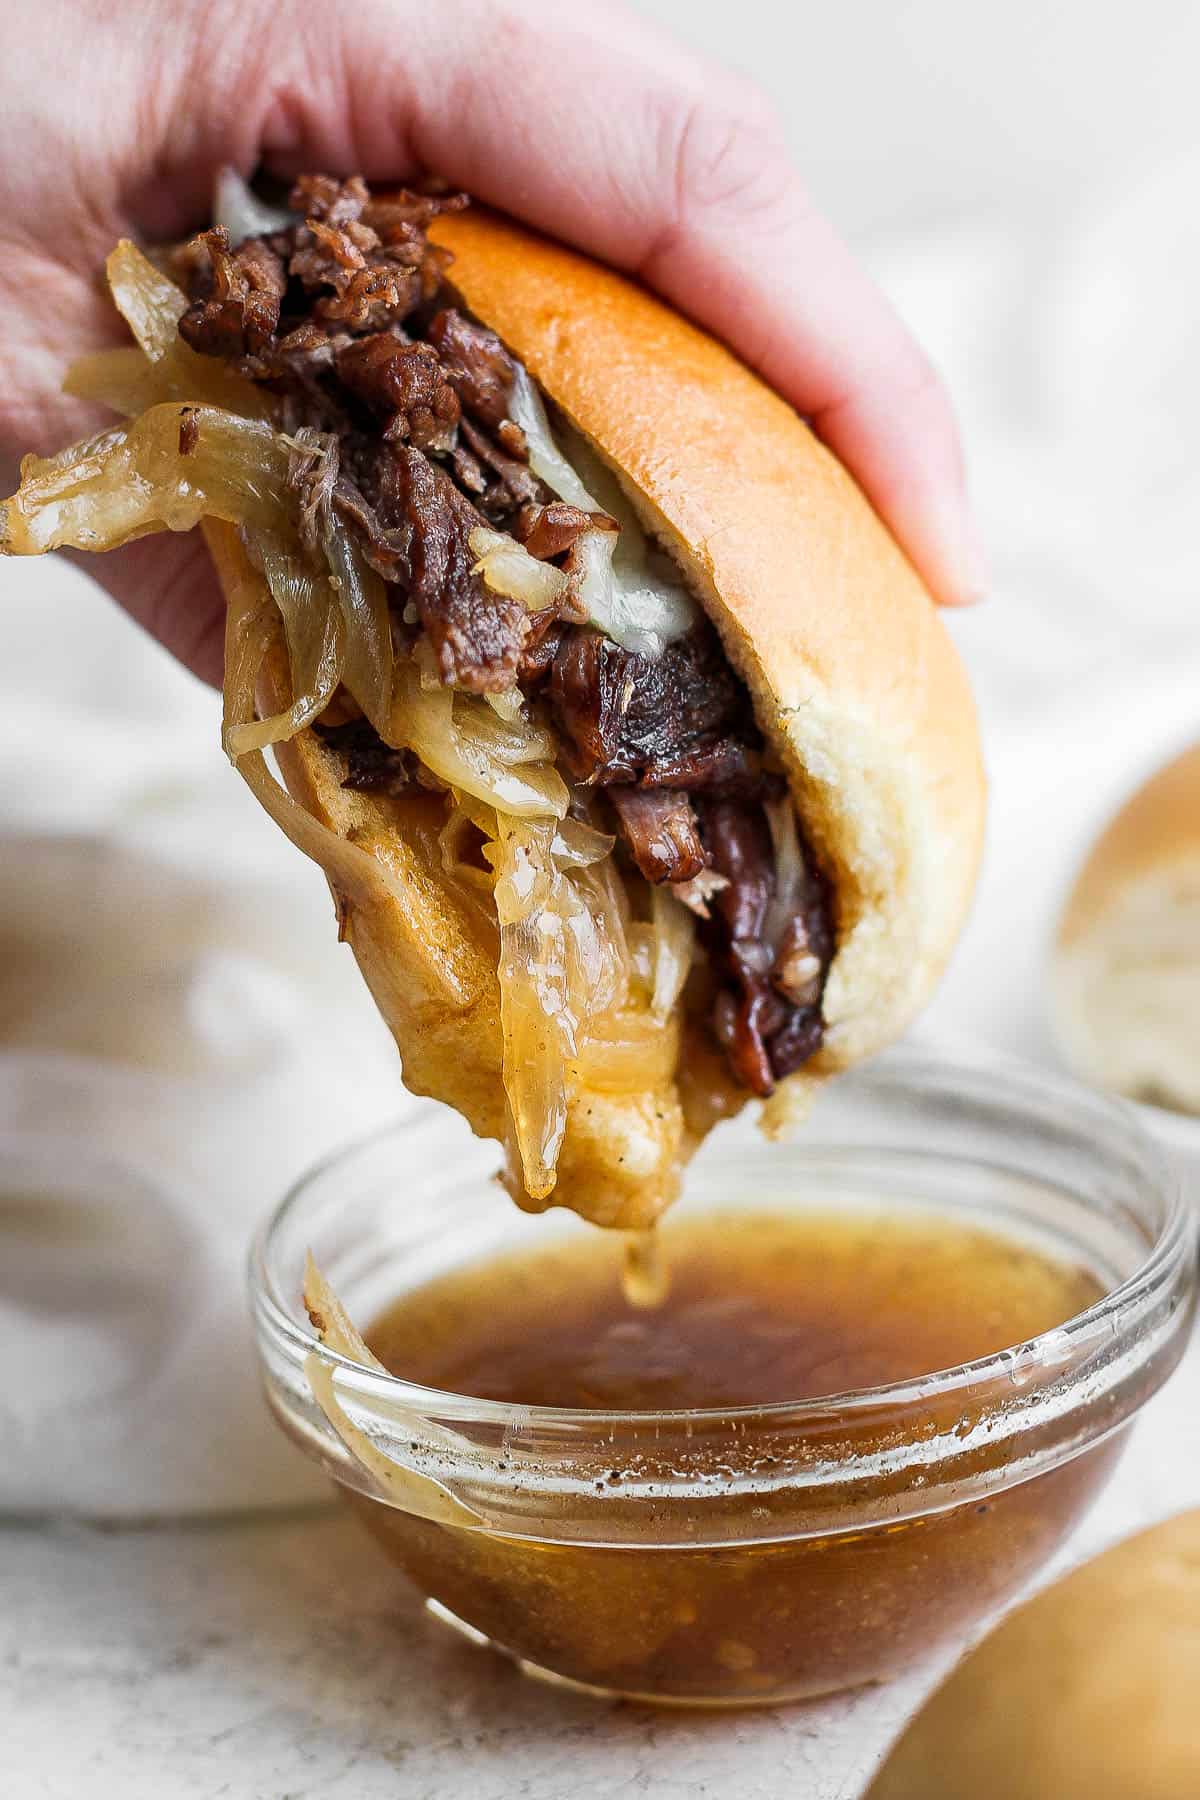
column 919, row 387
column 915, row 388
column 918, row 378
column 725, row 158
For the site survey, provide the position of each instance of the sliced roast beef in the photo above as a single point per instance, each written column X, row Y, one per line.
column 371, row 765
column 477, row 636
column 766, row 1033
column 661, row 831
column 239, row 312
column 626, row 717
column 384, row 547
column 405, row 384
column 477, row 365
column 510, row 483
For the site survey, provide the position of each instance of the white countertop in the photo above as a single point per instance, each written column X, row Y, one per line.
column 275, row 1659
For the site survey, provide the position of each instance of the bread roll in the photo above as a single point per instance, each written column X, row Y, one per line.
column 1088, row 1692
column 1126, row 967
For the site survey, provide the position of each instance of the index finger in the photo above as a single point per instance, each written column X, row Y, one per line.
column 594, row 127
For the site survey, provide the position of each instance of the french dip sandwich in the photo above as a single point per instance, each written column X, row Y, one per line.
column 643, row 773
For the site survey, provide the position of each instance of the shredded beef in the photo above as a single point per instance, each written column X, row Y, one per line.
column 765, row 1033
column 477, row 636
column 661, row 831
column 508, row 482
column 541, row 647
column 551, row 530
column 477, row 365
column 397, row 408
column 240, row 313
column 386, row 549
column 675, row 720
column 406, row 384
column 371, row 765
column 366, row 260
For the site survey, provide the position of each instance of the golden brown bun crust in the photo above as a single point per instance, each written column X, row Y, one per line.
column 1157, row 827
column 1086, row 1693
column 852, row 672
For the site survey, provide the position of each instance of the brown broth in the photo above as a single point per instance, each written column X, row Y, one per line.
column 757, row 1308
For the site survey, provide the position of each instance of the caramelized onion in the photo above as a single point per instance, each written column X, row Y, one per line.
column 252, row 629
column 414, row 1490
column 152, row 306
column 148, row 301
column 674, row 935
column 362, row 597
column 238, row 208
column 564, row 966
column 462, row 741
column 122, row 379
column 507, row 704
column 507, row 568
column 135, row 479
column 316, row 647
column 536, row 1016
column 600, row 942
column 578, row 846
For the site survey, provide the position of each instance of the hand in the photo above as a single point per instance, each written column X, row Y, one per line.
column 582, row 120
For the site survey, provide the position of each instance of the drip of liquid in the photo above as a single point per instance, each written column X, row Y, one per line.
column 645, row 1276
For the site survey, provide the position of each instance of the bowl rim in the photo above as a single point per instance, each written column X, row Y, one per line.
column 1112, row 1320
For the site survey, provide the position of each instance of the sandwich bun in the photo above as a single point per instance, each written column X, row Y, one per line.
column 1126, row 963
column 1088, row 1692
column 854, row 679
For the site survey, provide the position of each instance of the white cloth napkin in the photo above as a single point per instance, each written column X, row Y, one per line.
column 180, row 1036
column 179, row 1033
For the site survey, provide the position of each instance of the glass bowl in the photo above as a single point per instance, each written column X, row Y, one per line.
column 756, row 1554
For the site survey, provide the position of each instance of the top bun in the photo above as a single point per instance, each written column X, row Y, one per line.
column 853, row 675
column 1126, row 989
